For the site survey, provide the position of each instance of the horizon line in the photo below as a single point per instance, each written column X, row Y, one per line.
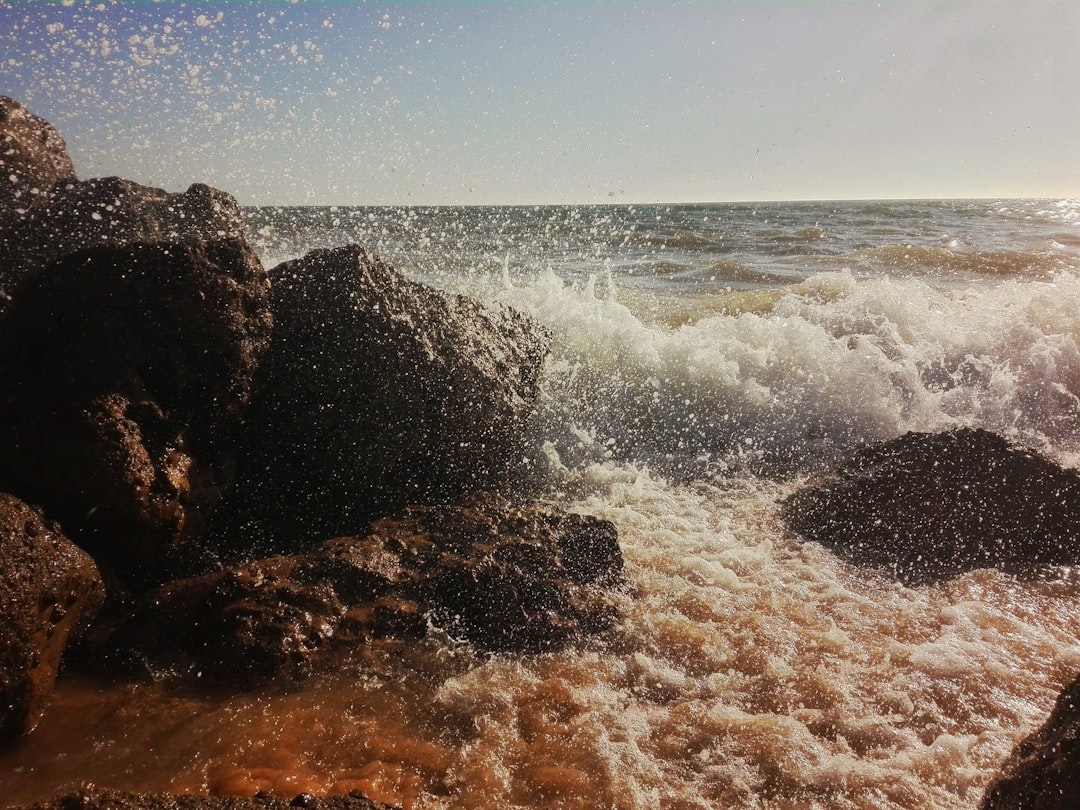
column 763, row 201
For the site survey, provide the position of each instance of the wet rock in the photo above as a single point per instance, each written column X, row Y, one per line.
column 1043, row 771
column 503, row 577
column 245, row 626
column 378, row 392
column 49, row 592
column 123, row 375
column 930, row 506
column 79, row 215
column 96, row 799
column 33, row 158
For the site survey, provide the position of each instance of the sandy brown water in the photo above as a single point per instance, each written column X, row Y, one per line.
column 752, row 670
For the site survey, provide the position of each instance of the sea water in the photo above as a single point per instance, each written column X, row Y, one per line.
column 707, row 359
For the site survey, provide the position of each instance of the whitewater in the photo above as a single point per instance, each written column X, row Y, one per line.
column 707, row 361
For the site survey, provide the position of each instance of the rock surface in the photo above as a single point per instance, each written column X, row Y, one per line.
column 123, row 374
column 930, row 506
column 49, row 592
column 378, row 392
column 503, row 577
column 1043, row 771
column 94, row 799
column 33, row 158
column 110, row 211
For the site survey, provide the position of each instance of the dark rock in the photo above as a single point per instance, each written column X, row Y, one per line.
column 33, row 158
column 378, row 392
column 1043, row 771
column 930, row 506
column 76, row 216
column 123, row 374
column 503, row 577
column 49, row 592
column 244, row 626
column 96, row 799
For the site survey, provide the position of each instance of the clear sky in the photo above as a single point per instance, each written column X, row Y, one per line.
column 344, row 103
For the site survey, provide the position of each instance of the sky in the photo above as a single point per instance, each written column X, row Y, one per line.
column 441, row 103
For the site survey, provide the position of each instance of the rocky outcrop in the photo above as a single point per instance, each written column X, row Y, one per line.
column 503, row 577
column 33, row 159
column 123, row 374
column 1043, row 771
column 378, row 392
column 929, row 506
column 49, row 592
column 110, row 211
column 96, row 799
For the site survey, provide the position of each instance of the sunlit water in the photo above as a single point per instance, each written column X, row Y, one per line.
column 706, row 360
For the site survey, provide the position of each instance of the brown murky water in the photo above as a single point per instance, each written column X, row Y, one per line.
column 752, row 671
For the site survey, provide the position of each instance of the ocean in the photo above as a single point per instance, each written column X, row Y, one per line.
column 707, row 360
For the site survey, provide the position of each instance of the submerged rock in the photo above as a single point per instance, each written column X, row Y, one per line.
column 503, row 577
column 930, row 506
column 378, row 392
column 49, row 592
column 95, row 799
column 123, row 374
column 1043, row 771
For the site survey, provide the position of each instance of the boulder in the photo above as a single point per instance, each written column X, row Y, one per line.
column 929, row 506
column 123, row 375
column 33, row 159
column 110, row 211
column 49, row 592
column 377, row 392
column 505, row 578
column 1043, row 771
column 92, row 798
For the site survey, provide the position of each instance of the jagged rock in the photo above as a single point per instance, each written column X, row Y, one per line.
column 1043, row 771
column 123, row 374
column 33, row 158
column 522, row 578
column 49, row 592
column 506, row 578
column 110, row 211
column 930, row 506
column 96, row 799
column 378, row 392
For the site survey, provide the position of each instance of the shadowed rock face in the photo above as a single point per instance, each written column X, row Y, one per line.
column 505, row 578
column 1043, row 771
column 123, row 372
column 33, row 158
column 79, row 215
column 377, row 392
column 930, row 506
column 49, row 592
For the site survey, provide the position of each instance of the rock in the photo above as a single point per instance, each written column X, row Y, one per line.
column 244, row 626
column 96, row 799
column 123, row 375
column 33, row 158
column 378, row 392
column 930, row 506
column 505, row 578
column 49, row 592
column 1043, row 771
column 76, row 216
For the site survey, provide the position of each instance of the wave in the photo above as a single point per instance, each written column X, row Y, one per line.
column 828, row 364
column 923, row 260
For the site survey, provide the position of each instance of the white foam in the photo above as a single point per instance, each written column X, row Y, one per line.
column 837, row 361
